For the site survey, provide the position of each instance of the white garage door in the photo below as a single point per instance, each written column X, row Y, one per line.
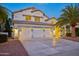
column 25, row 34
column 37, row 33
column 29, row 34
column 48, row 33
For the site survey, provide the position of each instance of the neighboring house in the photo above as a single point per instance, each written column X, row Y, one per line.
column 56, row 29
column 51, row 20
column 31, row 23
column 67, row 30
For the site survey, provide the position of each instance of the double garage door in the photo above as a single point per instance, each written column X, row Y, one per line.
column 35, row 33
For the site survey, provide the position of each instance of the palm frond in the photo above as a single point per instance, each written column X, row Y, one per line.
column 70, row 14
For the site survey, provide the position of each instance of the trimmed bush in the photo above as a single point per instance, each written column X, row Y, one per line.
column 77, row 31
column 3, row 38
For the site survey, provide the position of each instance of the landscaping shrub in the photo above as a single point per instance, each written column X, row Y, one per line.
column 77, row 31
column 3, row 38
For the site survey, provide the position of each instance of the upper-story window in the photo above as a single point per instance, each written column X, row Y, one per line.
column 28, row 17
column 37, row 19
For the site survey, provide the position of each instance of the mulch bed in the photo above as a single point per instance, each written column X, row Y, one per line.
column 12, row 48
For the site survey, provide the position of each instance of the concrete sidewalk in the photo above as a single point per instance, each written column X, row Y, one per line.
column 43, row 47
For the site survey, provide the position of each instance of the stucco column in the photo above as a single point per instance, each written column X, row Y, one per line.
column 53, row 37
column 19, row 33
column 64, row 31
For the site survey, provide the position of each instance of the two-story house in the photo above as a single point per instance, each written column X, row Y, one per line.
column 30, row 23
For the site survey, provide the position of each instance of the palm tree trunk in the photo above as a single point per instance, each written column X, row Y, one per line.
column 73, row 32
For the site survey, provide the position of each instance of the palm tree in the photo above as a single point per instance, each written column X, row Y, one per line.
column 3, row 16
column 70, row 15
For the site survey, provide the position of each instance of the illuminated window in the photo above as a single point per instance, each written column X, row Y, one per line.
column 37, row 19
column 28, row 17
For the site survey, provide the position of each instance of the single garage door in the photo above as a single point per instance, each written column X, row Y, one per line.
column 25, row 34
column 37, row 33
column 48, row 33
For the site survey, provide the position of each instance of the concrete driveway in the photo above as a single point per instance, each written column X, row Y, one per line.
column 43, row 47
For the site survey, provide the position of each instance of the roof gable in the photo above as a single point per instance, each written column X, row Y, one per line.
column 31, row 8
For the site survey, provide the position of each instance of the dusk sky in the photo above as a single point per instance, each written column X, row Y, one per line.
column 50, row 9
